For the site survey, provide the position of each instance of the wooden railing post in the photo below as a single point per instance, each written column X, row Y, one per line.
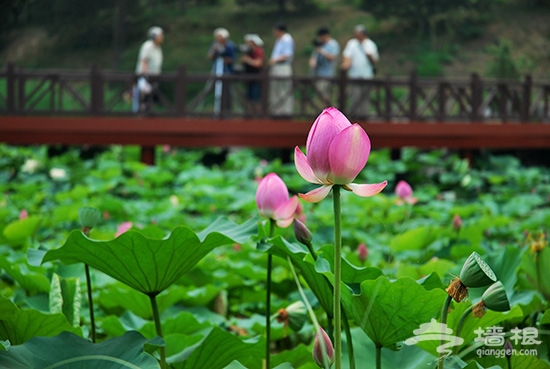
column 526, row 101
column 96, row 91
column 389, row 97
column 477, row 98
column 264, row 95
column 442, row 101
column 11, row 82
column 413, row 95
column 181, row 90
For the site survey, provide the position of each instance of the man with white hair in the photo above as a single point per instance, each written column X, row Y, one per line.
column 149, row 65
column 222, row 54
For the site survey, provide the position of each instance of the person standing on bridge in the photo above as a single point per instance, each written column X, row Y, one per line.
column 359, row 57
column 322, row 63
column 281, row 96
column 222, row 53
column 149, row 65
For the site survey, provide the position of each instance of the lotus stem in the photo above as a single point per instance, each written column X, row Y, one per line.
column 158, row 327
column 90, row 302
column 349, row 340
column 268, row 301
column 461, row 323
column 337, row 277
column 444, row 313
column 378, row 356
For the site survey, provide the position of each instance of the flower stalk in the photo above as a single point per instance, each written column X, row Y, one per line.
column 268, row 301
column 337, row 276
column 158, row 328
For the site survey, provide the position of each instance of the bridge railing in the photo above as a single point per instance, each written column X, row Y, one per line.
column 390, row 98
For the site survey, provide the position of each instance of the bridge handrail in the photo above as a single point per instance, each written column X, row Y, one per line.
column 182, row 94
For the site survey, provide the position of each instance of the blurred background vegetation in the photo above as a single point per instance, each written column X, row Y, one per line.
column 495, row 38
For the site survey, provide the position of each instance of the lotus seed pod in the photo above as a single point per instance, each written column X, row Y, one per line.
column 297, row 315
column 495, row 297
column 476, row 272
column 89, row 217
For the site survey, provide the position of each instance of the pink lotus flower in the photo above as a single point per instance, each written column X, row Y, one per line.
column 404, row 191
column 336, row 152
column 273, row 200
column 323, row 351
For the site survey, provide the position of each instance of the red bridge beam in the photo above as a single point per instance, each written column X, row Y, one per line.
column 200, row 132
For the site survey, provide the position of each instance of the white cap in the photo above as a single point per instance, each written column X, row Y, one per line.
column 254, row 38
column 224, row 33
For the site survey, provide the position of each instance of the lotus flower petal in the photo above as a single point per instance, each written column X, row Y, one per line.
column 287, row 210
column 325, row 128
column 366, row 190
column 303, row 167
column 348, row 154
column 317, row 194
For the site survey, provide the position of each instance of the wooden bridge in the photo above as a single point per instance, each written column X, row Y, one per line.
column 94, row 107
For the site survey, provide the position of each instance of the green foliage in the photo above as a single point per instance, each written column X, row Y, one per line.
column 503, row 64
column 428, row 17
column 210, row 289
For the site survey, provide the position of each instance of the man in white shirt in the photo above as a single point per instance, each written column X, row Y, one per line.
column 281, row 98
column 359, row 58
column 149, row 64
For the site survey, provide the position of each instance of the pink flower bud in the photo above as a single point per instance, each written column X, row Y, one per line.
column 273, row 201
column 323, row 351
column 23, row 214
column 457, row 222
column 337, row 151
column 302, row 233
column 404, row 191
column 362, row 252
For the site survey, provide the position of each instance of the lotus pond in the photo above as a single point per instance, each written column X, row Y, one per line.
column 174, row 265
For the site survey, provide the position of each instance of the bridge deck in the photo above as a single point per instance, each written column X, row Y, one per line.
column 202, row 132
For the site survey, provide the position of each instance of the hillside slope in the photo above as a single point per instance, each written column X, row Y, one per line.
column 189, row 33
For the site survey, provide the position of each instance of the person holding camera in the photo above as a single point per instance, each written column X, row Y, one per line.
column 148, row 66
column 323, row 62
column 222, row 54
column 253, row 62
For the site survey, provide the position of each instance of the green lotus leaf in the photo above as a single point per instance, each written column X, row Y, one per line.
column 145, row 264
column 70, row 351
column 301, row 259
column 389, row 312
column 20, row 325
column 226, row 348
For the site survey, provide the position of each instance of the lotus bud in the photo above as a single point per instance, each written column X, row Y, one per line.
column 362, row 252
column 294, row 315
column 474, row 273
column 323, row 351
column 494, row 298
column 457, row 222
column 302, row 233
column 89, row 217
column 508, row 349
